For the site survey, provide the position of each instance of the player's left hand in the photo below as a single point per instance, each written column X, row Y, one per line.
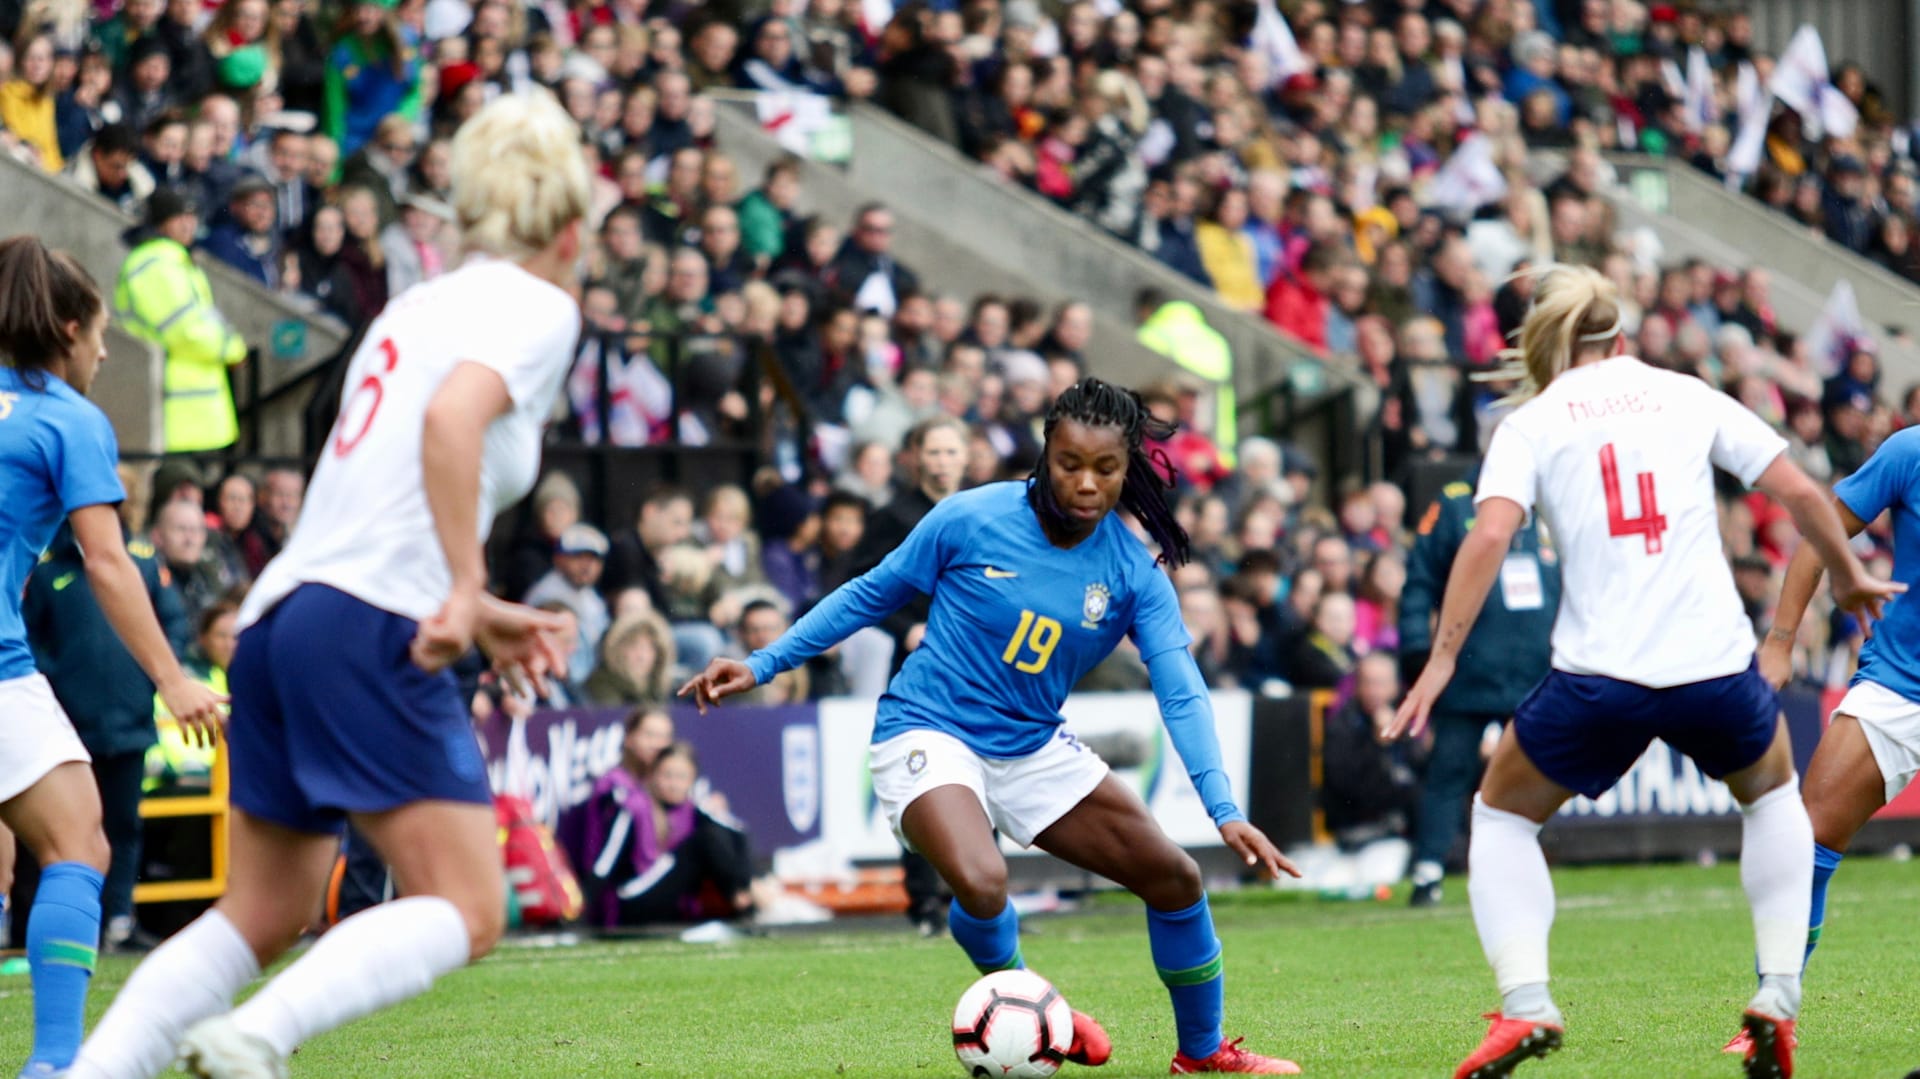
column 1411, row 719
column 526, row 645
column 1255, row 849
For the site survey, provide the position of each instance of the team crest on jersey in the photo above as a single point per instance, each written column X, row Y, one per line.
column 1095, row 606
column 916, row 762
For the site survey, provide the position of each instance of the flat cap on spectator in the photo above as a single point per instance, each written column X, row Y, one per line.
column 1023, row 366
column 174, row 473
column 583, row 539
column 1294, row 460
column 1848, row 163
column 251, row 184
column 428, row 204
column 292, row 121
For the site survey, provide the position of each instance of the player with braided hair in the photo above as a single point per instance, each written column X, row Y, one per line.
column 1033, row 583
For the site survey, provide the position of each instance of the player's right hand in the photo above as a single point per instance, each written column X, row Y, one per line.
column 722, row 678
column 1864, row 596
column 1411, row 719
column 200, row 711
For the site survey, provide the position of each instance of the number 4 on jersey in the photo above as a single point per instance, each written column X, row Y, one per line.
column 1650, row 524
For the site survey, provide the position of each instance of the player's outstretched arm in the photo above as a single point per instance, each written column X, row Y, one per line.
column 1818, row 518
column 122, row 593
column 1474, row 568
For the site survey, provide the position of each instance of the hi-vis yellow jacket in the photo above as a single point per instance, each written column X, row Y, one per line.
column 164, row 298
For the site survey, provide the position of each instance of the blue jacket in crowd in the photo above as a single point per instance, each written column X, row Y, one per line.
column 1508, row 651
column 103, row 690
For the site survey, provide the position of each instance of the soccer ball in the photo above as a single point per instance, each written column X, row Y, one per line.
column 1012, row 1024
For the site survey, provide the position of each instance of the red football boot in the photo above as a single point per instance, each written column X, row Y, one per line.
column 1742, row 1043
column 1508, row 1044
column 1233, row 1060
column 1770, row 1046
column 1091, row 1046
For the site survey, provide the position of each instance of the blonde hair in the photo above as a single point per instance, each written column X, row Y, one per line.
column 1573, row 307
column 519, row 178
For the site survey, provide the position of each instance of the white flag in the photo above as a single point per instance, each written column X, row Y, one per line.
column 1756, row 108
column 1273, row 38
column 1469, row 179
column 1800, row 81
column 1831, row 338
column 1701, row 108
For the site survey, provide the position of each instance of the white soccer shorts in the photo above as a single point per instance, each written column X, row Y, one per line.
column 1892, row 726
column 1022, row 796
column 35, row 734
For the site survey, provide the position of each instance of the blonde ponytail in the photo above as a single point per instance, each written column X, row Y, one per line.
column 1574, row 307
column 519, row 178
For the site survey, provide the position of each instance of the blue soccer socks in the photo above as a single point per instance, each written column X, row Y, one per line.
column 1187, row 956
column 63, row 938
column 992, row 943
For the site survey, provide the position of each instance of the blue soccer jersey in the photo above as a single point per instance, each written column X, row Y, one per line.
column 1890, row 480
column 1016, row 622
column 57, row 454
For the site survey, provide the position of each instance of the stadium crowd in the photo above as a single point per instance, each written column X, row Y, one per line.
column 312, row 149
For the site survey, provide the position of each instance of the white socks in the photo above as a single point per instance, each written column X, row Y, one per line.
column 1776, row 869
column 375, row 959
column 190, row 977
column 1512, row 896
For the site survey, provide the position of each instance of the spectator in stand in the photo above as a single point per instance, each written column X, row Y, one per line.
column 1324, row 658
column 110, row 168
column 865, row 275
column 27, row 101
column 1298, row 303
column 1371, row 787
column 324, row 276
column 380, row 163
column 116, row 36
column 281, row 492
column 1227, row 251
column 767, row 215
column 147, row 90
column 249, row 240
column 556, row 508
column 372, row 74
column 789, row 521
column 578, row 560
column 180, row 538
column 361, row 256
column 665, row 522
column 163, row 298
column 410, row 247
column 761, row 623
column 636, row 663
column 1377, row 603
column 654, row 856
column 234, row 507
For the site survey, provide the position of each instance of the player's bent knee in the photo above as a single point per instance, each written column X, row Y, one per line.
column 981, row 889
column 87, row 846
column 1174, row 885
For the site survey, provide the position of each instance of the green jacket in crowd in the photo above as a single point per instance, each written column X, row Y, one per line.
column 164, row 298
column 1507, row 652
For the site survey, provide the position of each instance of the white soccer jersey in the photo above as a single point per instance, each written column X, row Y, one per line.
column 1617, row 457
column 366, row 528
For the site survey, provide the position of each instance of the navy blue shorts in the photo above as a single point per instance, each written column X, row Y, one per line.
column 331, row 716
column 1584, row 731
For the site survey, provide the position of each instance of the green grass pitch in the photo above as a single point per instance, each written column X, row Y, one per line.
column 1652, row 966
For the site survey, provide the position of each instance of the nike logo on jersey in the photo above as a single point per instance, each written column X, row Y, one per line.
column 1000, row 574
column 61, row 582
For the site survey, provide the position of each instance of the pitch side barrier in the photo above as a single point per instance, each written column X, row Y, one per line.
column 796, row 776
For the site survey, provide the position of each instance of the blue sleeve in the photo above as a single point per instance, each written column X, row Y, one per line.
column 1157, row 625
column 1187, row 711
column 1883, row 479
column 83, row 457
column 907, row 572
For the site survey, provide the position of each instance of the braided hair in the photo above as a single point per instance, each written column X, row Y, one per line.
column 1149, row 472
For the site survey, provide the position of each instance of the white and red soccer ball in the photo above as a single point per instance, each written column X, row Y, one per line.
column 1012, row 1024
